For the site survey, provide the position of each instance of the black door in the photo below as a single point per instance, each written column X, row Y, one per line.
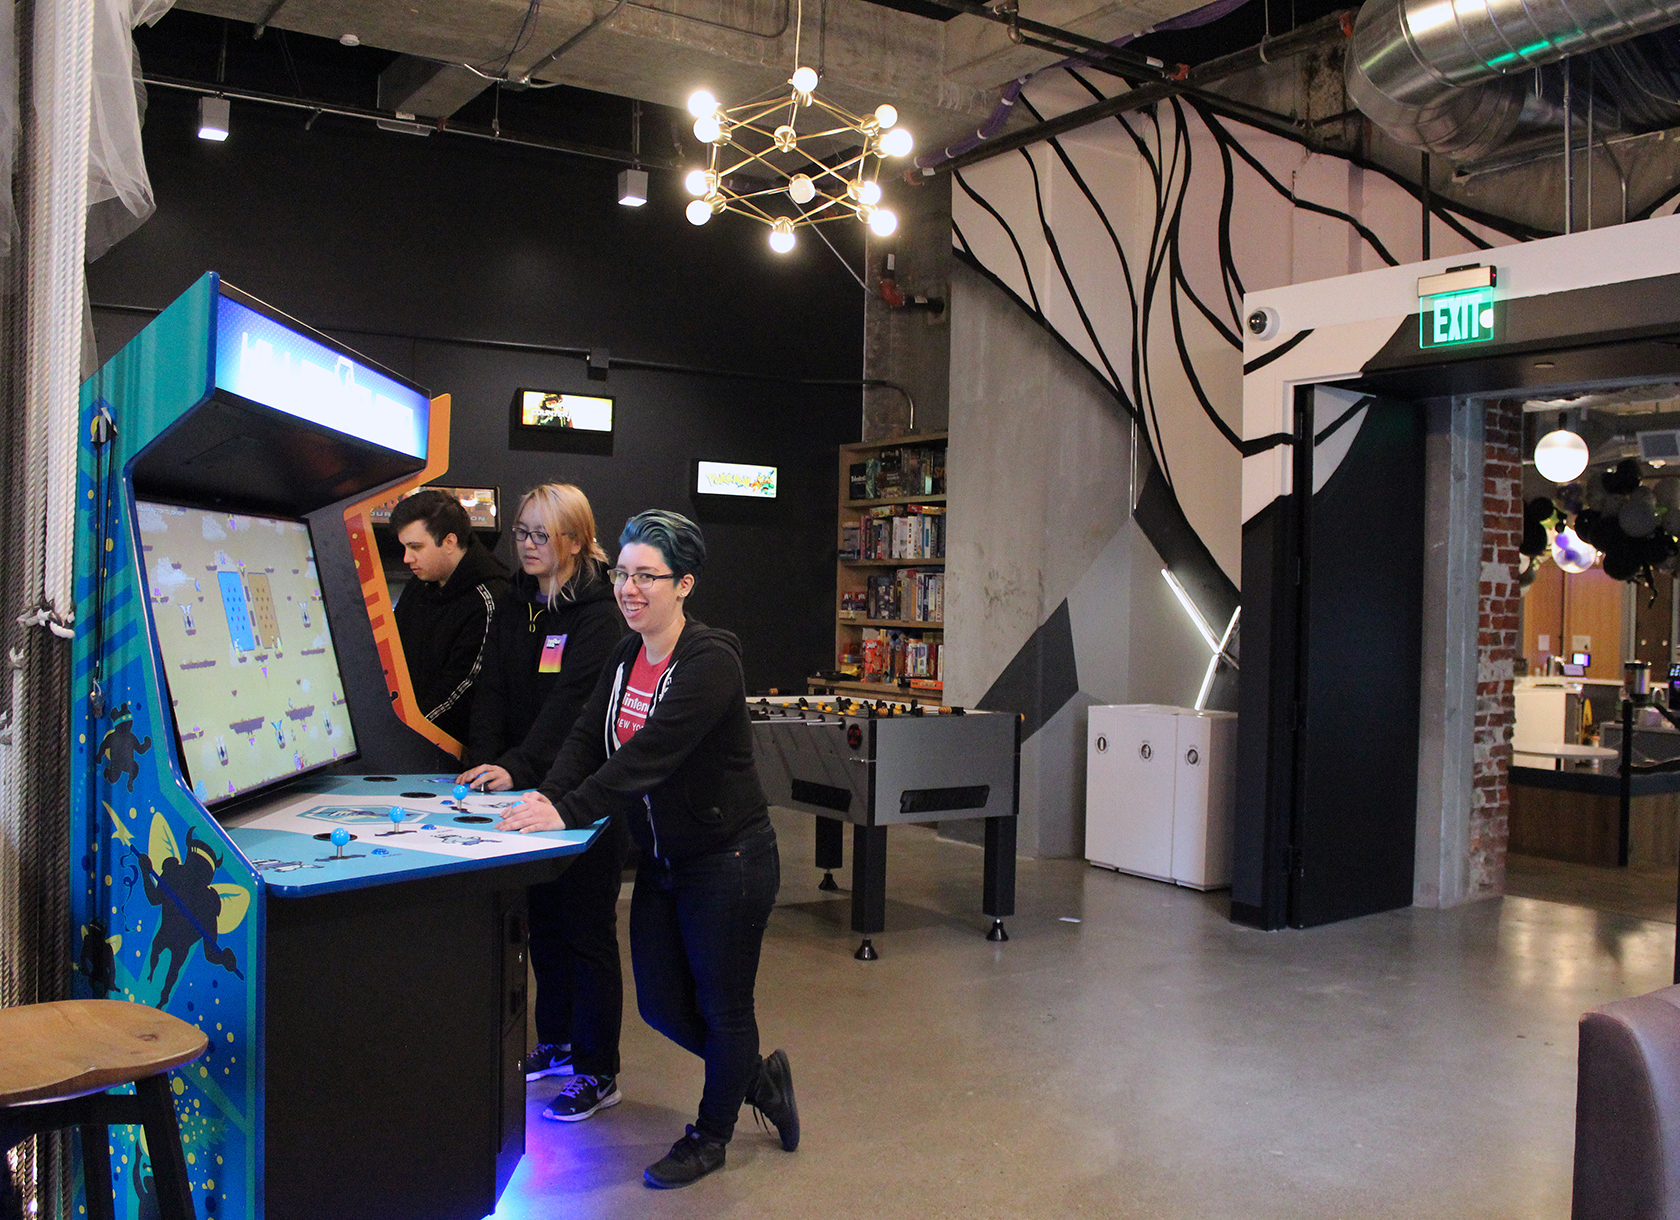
column 1354, row 820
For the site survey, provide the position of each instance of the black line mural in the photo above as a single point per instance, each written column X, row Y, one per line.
column 1134, row 240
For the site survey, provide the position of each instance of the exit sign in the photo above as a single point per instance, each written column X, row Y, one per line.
column 1453, row 318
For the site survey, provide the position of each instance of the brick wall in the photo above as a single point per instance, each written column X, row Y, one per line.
column 1497, row 644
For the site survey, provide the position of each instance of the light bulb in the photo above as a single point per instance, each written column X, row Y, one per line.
column 869, row 192
column 697, row 183
column 1570, row 553
column 886, row 116
column 699, row 212
column 781, row 236
column 701, row 104
column 883, row 222
column 897, row 143
column 1561, row 456
column 801, row 189
column 707, row 130
column 804, row 80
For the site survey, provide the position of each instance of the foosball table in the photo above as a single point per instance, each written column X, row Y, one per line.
column 877, row 764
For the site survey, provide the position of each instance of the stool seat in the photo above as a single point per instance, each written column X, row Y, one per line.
column 69, row 1048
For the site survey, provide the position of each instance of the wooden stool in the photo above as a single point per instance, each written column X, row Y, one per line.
column 57, row 1059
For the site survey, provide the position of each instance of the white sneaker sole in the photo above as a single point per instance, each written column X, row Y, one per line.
column 564, row 1069
column 611, row 1099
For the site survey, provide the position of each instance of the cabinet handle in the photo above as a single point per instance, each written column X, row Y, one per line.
column 1192, row 757
column 1146, row 751
column 1102, row 745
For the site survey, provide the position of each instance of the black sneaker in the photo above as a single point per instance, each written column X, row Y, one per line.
column 773, row 1098
column 581, row 1096
column 547, row 1059
column 690, row 1159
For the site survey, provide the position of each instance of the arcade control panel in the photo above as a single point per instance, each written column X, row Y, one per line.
column 350, row 832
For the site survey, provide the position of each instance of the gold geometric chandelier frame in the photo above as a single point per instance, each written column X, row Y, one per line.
column 750, row 135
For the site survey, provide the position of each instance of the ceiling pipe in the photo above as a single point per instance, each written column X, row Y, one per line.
column 317, row 109
column 1449, row 76
column 1063, row 42
column 1325, row 31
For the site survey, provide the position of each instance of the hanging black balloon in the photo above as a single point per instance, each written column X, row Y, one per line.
column 1539, row 510
column 1623, row 479
column 1624, row 561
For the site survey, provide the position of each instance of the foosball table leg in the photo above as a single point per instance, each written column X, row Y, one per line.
column 869, row 886
column 998, row 888
column 831, row 848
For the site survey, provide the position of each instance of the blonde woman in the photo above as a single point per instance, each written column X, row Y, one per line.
column 549, row 643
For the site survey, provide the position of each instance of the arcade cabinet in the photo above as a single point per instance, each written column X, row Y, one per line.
column 353, row 945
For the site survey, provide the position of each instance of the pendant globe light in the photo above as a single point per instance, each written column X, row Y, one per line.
column 1561, row 455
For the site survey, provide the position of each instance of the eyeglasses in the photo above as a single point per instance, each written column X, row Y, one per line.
column 642, row 580
column 521, row 534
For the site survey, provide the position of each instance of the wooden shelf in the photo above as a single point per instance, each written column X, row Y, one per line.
column 920, row 624
column 909, row 438
column 893, row 563
column 939, row 499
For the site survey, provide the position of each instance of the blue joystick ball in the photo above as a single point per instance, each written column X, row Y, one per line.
column 340, row 837
column 396, row 815
column 461, row 792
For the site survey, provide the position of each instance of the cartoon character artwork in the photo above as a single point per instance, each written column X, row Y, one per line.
column 194, row 909
column 121, row 746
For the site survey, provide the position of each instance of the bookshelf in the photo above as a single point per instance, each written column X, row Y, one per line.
column 890, row 570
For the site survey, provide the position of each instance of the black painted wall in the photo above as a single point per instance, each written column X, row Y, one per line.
column 402, row 247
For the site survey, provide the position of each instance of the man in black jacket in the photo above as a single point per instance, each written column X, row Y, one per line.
column 445, row 612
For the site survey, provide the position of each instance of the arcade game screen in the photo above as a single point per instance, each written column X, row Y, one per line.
column 249, row 659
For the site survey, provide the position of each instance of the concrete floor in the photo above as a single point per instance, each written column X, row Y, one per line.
column 1153, row 1060
column 1646, row 893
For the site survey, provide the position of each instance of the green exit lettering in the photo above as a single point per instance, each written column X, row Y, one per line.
column 1456, row 317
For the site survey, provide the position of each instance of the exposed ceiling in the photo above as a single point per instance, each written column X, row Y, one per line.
column 942, row 74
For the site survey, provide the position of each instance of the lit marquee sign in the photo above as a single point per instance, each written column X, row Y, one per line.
column 269, row 363
column 735, row 479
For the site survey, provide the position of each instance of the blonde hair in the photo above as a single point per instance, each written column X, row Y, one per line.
column 564, row 511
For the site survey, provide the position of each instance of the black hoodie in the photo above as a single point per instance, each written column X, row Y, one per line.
column 686, row 780
column 445, row 629
column 520, row 717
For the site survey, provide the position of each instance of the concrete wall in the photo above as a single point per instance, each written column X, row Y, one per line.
column 1055, row 599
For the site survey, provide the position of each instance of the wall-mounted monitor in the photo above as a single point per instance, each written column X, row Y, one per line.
column 561, row 421
column 248, row 656
column 567, row 412
column 734, row 479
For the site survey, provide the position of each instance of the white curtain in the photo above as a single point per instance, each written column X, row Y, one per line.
column 119, row 193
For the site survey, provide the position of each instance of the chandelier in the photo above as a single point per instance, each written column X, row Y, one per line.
column 812, row 193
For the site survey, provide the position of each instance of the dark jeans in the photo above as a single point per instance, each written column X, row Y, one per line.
column 574, row 953
column 695, row 932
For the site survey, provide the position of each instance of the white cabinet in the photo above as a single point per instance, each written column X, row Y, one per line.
column 1159, row 783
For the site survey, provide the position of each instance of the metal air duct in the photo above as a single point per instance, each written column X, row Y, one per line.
column 1450, row 76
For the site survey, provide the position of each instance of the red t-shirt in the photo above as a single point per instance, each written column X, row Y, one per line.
column 638, row 696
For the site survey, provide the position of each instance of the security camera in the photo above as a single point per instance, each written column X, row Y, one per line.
column 1263, row 322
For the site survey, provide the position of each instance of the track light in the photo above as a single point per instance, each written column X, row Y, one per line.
column 632, row 187
column 213, row 118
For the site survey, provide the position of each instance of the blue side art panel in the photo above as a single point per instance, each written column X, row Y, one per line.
column 167, row 912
